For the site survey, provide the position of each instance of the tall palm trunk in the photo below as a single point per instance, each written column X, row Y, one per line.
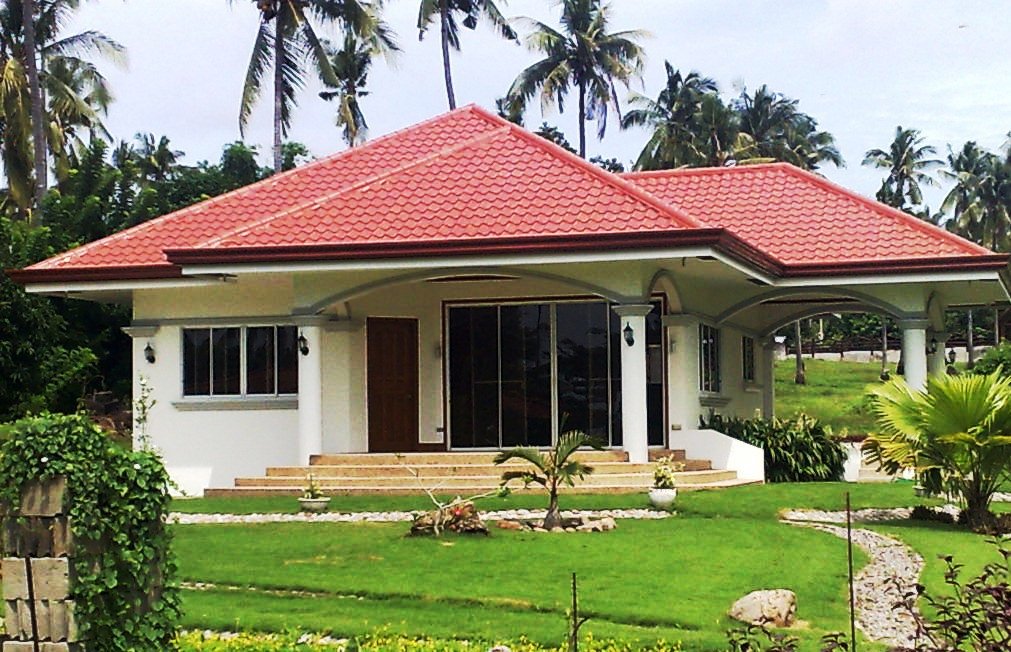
column 884, row 348
column 799, row 377
column 278, row 90
column 553, row 517
column 970, row 345
column 28, row 10
column 582, row 119
column 446, row 70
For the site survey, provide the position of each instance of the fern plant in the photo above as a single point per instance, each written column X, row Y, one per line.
column 551, row 468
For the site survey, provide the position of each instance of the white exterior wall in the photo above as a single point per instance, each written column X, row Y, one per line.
column 211, row 446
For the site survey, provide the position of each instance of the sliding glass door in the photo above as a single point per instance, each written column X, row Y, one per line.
column 521, row 373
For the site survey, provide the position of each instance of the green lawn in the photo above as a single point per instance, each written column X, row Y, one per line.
column 647, row 580
column 835, row 392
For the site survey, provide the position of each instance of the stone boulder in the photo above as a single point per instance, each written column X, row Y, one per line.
column 776, row 607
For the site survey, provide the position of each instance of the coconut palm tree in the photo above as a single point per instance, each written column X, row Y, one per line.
column 351, row 64
column 73, row 93
column 286, row 40
column 908, row 162
column 781, row 132
column 956, row 435
column 448, row 14
column 551, row 469
column 29, row 11
column 980, row 199
column 154, row 158
column 673, row 117
column 584, row 56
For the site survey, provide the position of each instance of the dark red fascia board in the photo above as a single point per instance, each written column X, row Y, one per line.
column 720, row 239
column 93, row 274
column 976, row 263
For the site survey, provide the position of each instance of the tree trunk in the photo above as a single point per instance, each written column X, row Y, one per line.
column 996, row 327
column 884, row 348
column 582, row 120
column 278, row 90
column 446, row 70
column 28, row 10
column 554, row 516
column 799, row 377
column 970, row 346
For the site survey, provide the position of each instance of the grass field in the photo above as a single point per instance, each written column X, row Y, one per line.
column 835, row 392
column 645, row 581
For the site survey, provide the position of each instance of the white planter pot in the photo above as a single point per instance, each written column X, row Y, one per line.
column 314, row 505
column 662, row 498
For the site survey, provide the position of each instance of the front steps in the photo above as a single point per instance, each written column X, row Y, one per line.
column 461, row 473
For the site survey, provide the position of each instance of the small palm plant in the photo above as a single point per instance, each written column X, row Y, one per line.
column 956, row 435
column 551, row 468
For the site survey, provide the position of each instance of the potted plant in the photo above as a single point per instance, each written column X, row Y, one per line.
column 312, row 499
column 664, row 490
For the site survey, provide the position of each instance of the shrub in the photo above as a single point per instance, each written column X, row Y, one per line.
column 954, row 434
column 998, row 357
column 125, row 594
column 796, row 450
column 924, row 513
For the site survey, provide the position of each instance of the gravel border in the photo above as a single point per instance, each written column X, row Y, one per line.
column 892, row 572
column 178, row 518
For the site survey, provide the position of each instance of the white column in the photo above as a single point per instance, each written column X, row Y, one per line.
column 633, row 381
column 683, row 372
column 310, row 394
column 914, row 352
column 768, row 377
column 938, row 359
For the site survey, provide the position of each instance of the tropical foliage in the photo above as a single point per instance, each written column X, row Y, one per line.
column 908, row 162
column 583, row 56
column 690, row 126
column 450, row 14
column 800, row 449
column 75, row 91
column 979, row 201
column 351, row 64
column 956, row 435
column 552, row 469
column 286, row 40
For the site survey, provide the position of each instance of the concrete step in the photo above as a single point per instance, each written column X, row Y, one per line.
column 441, row 470
column 451, row 457
column 413, row 490
column 631, row 480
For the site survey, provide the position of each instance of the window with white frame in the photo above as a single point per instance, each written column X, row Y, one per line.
column 709, row 358
column 748, row 358
column 240, row 361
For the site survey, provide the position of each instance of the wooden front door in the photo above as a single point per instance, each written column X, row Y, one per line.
column 392, row 384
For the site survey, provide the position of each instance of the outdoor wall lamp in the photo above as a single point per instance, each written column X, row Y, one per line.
column 951, row 356
column 149, row 353
column 303, row 344
column 932, row 347
column 629, row 335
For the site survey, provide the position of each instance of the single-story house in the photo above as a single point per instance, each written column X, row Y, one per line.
column 463, row 284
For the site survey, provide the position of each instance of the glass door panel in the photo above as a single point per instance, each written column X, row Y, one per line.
column 474, row 377
column 581, row 337
column 525, row 332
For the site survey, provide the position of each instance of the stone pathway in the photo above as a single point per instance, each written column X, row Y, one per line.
column 893, row 570
column 398, row 517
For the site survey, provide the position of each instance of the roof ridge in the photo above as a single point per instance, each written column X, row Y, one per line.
column 686, row 171
column 246, row 228
column 602, row 174
column 267, row 181
column 891, row 211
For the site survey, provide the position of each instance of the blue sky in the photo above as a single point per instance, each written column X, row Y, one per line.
column 860, row 67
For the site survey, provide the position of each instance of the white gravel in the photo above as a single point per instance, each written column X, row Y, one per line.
column 892, row 572
column 398, row 517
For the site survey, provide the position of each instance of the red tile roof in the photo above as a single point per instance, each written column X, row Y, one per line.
column 469, row 182
column 798, row 217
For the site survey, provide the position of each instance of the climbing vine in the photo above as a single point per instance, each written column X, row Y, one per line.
column 124, row 588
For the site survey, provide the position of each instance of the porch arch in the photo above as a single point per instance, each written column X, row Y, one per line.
column 429, row 274
column 820, row 310
column 867, row 303
column 664, row 281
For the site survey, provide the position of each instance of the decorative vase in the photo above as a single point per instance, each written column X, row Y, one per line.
column 662, row 498
column 314, row 505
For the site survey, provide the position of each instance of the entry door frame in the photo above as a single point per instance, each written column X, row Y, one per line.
column 370, row 323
